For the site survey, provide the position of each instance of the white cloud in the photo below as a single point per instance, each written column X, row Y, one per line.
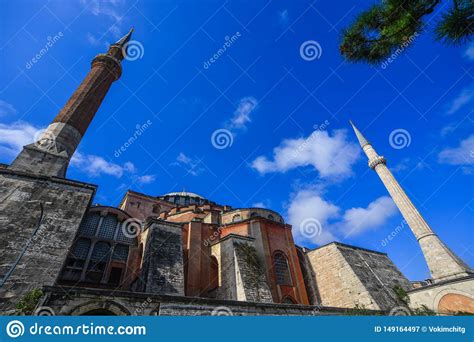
column 466, row 96
column 308, row 204
column 6, row 108
column 146, row 179
column 359, row 220
column 332, row 156
column 16, row 135
column 242, row 114
column 96, row 166
column 461, row 155
column 92, row 39
column 189, row 164
column 333, row 223
column 262, row 204
column 109, row 11
column 108, row 8
column 469, row 53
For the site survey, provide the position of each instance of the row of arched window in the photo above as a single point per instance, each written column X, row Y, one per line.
column 100, row 253
column 238, row 217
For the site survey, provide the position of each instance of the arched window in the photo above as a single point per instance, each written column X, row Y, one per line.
column 98, row 262
column 75, row 262
column 89, row 226
column 236, row 218
column 108, row 226
column 81, row 249
column 253, row 214
column 282, row 269
column 105, row 261
column 214, row 274
column 156, row 209
column 271, row 217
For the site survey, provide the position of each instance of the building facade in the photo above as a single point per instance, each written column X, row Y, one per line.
column 181, row 253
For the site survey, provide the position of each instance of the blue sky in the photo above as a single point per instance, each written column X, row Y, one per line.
column 268, row 99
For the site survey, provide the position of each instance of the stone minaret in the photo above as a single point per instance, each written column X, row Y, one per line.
column 51, row 153
column 442, row 262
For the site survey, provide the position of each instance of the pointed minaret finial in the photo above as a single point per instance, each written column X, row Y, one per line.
column 122, row 41
column 360, row 137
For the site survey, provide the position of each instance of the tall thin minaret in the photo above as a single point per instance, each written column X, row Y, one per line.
column 51, row 153
column 442, row 262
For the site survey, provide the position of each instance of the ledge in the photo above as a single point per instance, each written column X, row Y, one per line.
column 74, row 291
column 441, row 283
column 347, row 246
column 49, row 178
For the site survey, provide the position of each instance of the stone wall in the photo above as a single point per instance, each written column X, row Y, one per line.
column 163, row 271
column 21, row 196
column 347, row 276
column 242, row 275
column 76, row 301
column 448, row 297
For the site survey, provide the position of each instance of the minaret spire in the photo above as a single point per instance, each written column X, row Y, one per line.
column 51, row 153
column 360, row 137
column 124, row 40
column 442, row 262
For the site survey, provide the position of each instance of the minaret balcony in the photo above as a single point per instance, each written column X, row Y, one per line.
column 378, row 160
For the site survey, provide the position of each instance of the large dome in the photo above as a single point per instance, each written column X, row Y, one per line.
column 184, row 194
column 184, row 198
